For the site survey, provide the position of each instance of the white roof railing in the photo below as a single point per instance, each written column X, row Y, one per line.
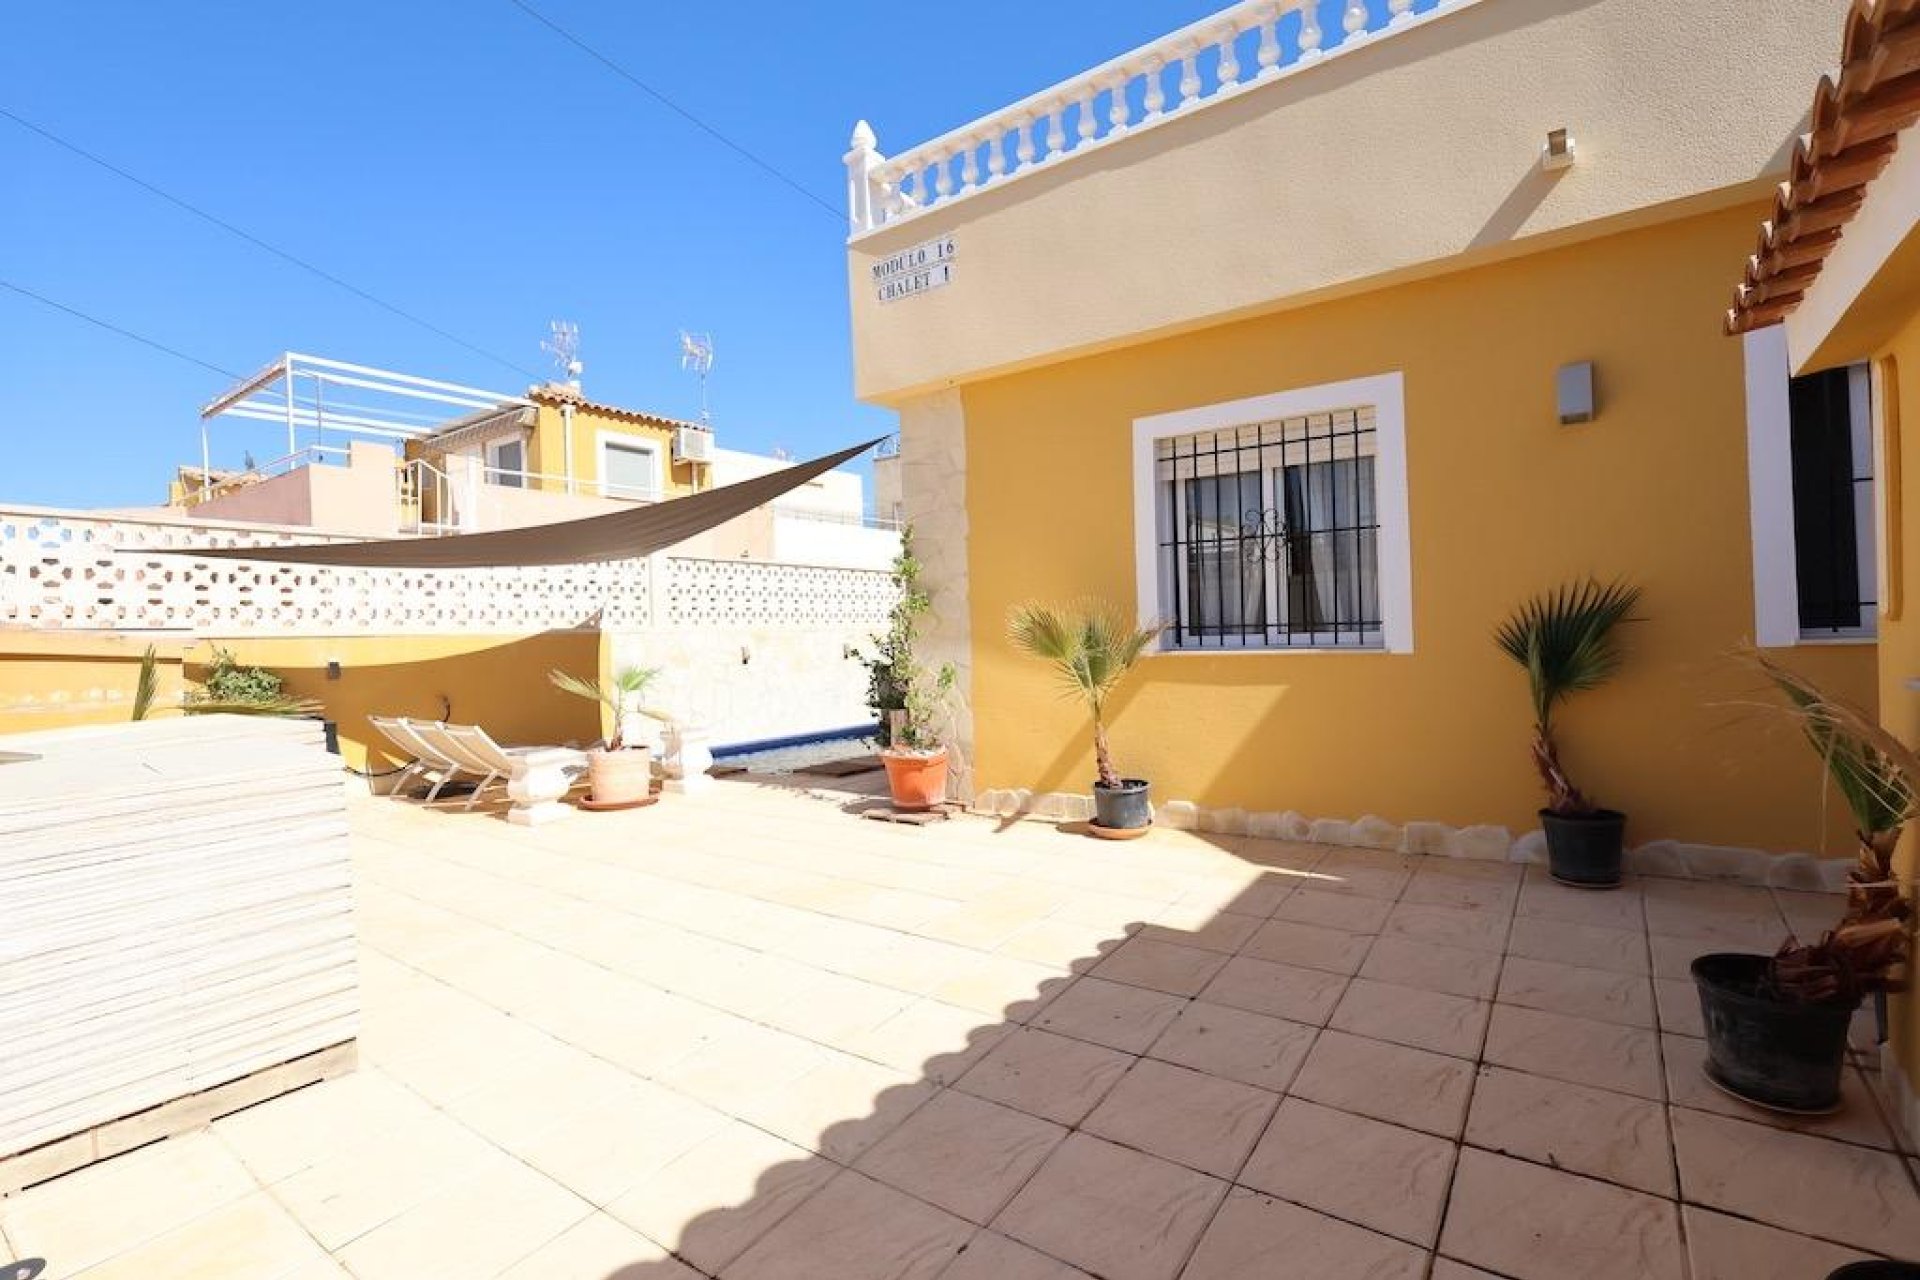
column 1208, row 61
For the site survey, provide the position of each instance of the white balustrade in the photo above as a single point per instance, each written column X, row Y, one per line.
column 1211, row 57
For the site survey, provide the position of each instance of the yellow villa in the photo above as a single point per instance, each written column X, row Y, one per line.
column 1327, row 353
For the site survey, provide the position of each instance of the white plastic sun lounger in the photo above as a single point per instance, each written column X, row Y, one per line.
column 476, row 752
column 426, row 759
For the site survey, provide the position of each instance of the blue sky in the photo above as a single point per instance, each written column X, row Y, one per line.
column 466, row 164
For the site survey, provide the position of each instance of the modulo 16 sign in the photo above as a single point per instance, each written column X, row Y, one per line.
column 916, row 270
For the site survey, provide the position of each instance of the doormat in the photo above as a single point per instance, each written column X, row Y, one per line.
column 846, row 768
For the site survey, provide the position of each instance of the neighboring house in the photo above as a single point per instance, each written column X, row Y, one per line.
column 1832, row 295
column 384, row 455
column 1328, row 349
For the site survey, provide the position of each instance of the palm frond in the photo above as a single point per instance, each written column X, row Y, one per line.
column 251, row 707
column 148, row 685
column 1875, row 773
column 1565, row 640
column 1091, row 645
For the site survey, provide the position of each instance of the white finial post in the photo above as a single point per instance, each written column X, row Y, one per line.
column 862, row 160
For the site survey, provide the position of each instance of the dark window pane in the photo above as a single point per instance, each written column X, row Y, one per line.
column 1826, row 539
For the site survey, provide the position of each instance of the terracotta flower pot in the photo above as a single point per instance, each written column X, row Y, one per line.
column 917, row 780
column 620, row 777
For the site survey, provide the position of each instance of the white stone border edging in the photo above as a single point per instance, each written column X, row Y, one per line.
column 1483, row 843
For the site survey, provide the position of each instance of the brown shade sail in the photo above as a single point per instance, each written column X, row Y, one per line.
column 623, row 535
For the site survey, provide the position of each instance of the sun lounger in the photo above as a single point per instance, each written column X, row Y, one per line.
column 475, row 751
column 425, row 758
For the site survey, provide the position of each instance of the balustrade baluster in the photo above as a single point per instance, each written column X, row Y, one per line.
column 1356, row 19
column 1089, row 124
column 1156, row 96
column 1024, row 150
column 1120, row 111
column 1399, row 10
column 1269, row 56
column 1229, row 60
column 1056, row 129
column 997, row 155
column 1309, row 31
column 1190, row 76
column 943, row 173
column 970, row 165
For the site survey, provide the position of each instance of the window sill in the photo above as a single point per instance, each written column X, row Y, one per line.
column 1835, row 641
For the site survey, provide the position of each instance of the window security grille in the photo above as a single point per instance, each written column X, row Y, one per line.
column 1832, row 505
column 1267, row 534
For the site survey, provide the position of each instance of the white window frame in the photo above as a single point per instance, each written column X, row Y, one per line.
column 639, row 444
column 1384, row 393
column 490, row 460
column 1776, row 582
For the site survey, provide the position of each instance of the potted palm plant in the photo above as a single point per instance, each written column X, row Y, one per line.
column 906, row 698
column 621, row 773
column 1565, row 641
column 1777, row 1025
column 1091, row 645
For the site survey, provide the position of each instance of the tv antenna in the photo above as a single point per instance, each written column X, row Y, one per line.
column 696, row 353
column 564, row 347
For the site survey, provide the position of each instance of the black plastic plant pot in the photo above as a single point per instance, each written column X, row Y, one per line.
column 1781, row 1054
column 1586, row 850
column 1877, row 1270
column 1122, row 808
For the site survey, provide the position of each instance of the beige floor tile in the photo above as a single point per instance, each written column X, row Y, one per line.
column 743, row 1064
column 600, row 1248
column 1723, row 1248
column 1411, row 1087
column 1581, row 993
column 1610, row 1136
column 1449, row 926
column 1282, row 990
column 1332, row 910
column 964, row 1154
column 1740, row 915
column 1046, row 1075
column 547, row 1089
column 1010, row 990
column 1589, row 946
column 1255, row 1237
column 1112, row 1211
column 1062, row 944
column 1673, row 957
column 1580, row 1050
column 468, row 1226
column 1123, row 1017
column 1378, row 1175
column 1369, row 873
column 1161, row 966
column 1451, row 970
column 937, row 1041
column 841, row 1107
column 1308, row 946
column 856, row 1229
column 1236, row 1044
column 1433, row 1020
column 347, row 1195
column 603, row 1149
column 992, row 1256
column 1840, row 1192
column 1225, row 932
column 1858, row 1119
column 1485, row 886
column 1677, row 1004
column 252, row 1237
column 1198, row 1120
column 724, row 1194
column 837, row 1009
column 1524, row 1220
column 289, row 1133
column 1543, row 897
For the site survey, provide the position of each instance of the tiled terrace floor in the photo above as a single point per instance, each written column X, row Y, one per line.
column 749, row 1036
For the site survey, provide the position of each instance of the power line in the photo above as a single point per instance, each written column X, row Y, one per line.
column 110, row 327
column 258, row 243
column 765, row 165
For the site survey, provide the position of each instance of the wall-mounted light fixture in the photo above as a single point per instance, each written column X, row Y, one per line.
column 333, row 668
column 1558, row 153
column 1573, row 391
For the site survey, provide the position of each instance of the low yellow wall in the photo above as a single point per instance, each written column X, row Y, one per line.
column 497, row 682
column 1504, row 503
column 51, row 679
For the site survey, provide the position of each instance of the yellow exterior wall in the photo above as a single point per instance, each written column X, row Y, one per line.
column 547, row 450
column 1898, row 382
column 1504, row 502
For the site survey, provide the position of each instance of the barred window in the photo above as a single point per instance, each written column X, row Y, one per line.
column 1268, row 534
column 1831, row 456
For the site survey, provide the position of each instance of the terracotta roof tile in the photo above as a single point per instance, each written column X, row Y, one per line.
column 1857, row 116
